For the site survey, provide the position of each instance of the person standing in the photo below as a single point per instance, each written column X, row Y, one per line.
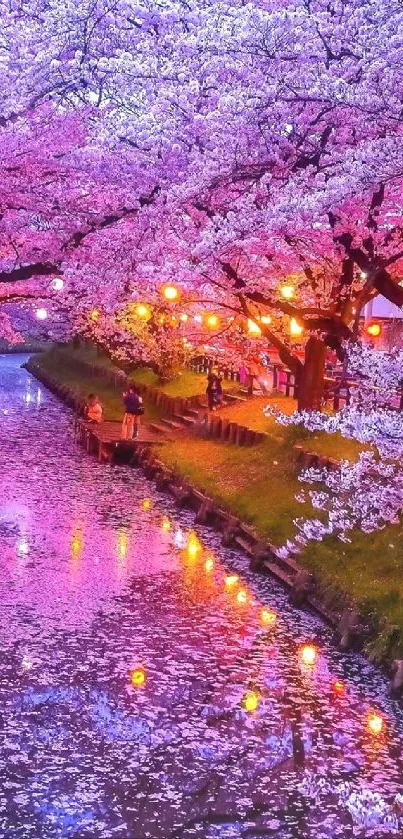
column 213, row 390
column 243, row 375
column 253, row 372
column 262, row 380
column 133, row 404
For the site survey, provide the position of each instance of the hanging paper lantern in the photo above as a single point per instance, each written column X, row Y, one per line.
column 212, row 321
column 170, row 292
column 143, row 311
column 41, row 314
column 374, row 330
column 57, row 284
column 253, row 328
column 287, row 291
column 295, row 329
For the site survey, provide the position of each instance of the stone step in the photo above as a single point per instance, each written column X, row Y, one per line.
column 189, row 421
column 233, row 397
column 257, row 391
column 192, row 412
column 160, row 429
column 175, row 426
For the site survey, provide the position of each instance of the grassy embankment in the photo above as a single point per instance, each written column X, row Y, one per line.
column 259, row 485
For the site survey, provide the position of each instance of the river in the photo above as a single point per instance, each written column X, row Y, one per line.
column 140, row 695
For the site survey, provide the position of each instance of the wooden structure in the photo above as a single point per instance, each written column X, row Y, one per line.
column 104, row 439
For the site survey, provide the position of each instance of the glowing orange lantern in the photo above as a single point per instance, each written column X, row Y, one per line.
column 138, row 677
column 170, row 292
column 287, row 291
column 253, row 328
column 251, row 701
column 266, row 319
column 308, row 654
column 212, row 321
column 146, row 504
column 143, row 311
column 231, row 580
column 374, row 330
column 375, row 723
column 209, row 564
column 242, row 596
column 267, row 617
column 295, row 329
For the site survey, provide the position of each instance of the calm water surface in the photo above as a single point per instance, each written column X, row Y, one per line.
column 95, row 584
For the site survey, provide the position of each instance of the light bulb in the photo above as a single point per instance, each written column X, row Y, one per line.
column 41, row 314
column 57, row 284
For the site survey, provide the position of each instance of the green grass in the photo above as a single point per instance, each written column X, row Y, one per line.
column 187, row 383
column 333, row 445
column 250, row 413
column 82, row 384
column 370, row 570
column 259, row 484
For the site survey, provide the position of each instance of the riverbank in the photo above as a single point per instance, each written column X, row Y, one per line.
column 258, row 485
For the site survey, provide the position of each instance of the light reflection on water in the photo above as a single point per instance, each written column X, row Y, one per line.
column 95, row 584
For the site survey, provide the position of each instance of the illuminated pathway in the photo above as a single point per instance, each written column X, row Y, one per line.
column 143, row 691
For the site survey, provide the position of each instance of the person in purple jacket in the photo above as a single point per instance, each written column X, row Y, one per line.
column 133, row 409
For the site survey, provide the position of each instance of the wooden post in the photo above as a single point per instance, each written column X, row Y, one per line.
column 216, row 427
column 233, row 427
column 240, row 435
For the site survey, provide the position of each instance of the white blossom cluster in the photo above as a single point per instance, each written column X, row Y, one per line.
column 367, row 495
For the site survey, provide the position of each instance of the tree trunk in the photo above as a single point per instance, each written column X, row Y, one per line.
column 311, row 380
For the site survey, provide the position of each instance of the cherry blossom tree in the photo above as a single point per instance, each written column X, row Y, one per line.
column 226, row 145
